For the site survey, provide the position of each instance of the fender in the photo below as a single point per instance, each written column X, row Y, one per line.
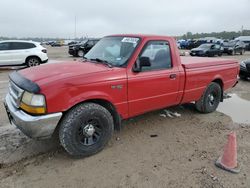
column 89, row 95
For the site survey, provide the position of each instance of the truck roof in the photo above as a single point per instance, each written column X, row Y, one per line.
column 142, row 36
column 199, row 62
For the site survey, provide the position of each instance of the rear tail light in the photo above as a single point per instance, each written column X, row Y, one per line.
column 44, row 51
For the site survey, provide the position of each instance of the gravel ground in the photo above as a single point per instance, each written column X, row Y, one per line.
column 152, row 150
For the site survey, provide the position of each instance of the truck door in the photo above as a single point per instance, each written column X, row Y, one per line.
column 156, row 86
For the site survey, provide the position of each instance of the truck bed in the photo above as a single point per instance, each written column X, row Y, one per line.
column 201, row 71
column 199, row 62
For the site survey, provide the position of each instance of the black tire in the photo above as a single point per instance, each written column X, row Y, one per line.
column 220, row 54
column 242, row 77
column 242, row 52
column 32, row 61
column 80, row 53
column 210, row 99
column 75, row 134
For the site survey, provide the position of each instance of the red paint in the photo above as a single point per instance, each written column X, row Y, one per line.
column 67, row 84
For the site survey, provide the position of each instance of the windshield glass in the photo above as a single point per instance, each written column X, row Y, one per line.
column 205, row 46
column 115, row 50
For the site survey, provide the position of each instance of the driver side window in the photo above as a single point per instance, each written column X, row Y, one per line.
column 159, row 54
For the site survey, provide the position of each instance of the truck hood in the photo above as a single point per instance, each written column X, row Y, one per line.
column 60, row 71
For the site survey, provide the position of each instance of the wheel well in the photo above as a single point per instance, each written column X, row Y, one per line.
column 110, row 107
column 220, row 82
column 32, row 56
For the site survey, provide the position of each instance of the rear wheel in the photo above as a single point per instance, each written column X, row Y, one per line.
column 33, row 61
column 86, row 129
column 210, row 99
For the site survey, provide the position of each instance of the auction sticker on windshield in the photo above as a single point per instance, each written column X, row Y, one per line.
column 130, row 40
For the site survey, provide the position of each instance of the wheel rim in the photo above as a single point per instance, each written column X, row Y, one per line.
column 33, row 62
column 80, row 53
column 90, row 132
column 212, row 99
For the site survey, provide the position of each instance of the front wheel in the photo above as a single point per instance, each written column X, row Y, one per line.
column 80, row 53
column 86, row 129
column 210, row 99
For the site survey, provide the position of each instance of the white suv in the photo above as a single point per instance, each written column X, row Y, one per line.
column 18, row 52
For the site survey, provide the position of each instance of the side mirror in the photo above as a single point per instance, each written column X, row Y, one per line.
column 141, row 62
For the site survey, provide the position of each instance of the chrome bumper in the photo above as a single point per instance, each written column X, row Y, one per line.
column 39, row 127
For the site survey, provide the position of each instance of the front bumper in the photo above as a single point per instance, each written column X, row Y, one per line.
column 228, row 50
column 38, row 127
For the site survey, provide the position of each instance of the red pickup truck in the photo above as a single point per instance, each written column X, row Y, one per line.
column 120, row 77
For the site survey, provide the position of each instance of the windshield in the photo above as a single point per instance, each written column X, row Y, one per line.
column 114, row 50
column 205, row 46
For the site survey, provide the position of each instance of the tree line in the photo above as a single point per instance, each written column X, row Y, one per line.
column 221, row 35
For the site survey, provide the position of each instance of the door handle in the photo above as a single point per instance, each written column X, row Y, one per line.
column 172, row 76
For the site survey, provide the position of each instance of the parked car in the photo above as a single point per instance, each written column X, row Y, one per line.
column 122, row 76
column 56, row 44
column 18, row 52
column 245, row 69
column 233, row 47
column 72, row 43
column 78, row 50
column 207, row 50
column 246, row 40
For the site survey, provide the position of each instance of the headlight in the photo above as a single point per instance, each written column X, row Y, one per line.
column 243, row 64
column 33, row 103
column 230, row 48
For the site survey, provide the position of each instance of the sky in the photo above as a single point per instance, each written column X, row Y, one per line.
column 97, row 18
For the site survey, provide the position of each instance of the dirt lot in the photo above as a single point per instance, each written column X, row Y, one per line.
column 150, row 151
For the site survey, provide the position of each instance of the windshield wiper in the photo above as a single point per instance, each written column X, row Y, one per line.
column 103, row 62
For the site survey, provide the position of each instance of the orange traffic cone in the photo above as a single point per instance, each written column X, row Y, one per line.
column 228, row 161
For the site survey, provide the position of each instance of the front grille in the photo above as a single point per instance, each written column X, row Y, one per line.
column 15, row 94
